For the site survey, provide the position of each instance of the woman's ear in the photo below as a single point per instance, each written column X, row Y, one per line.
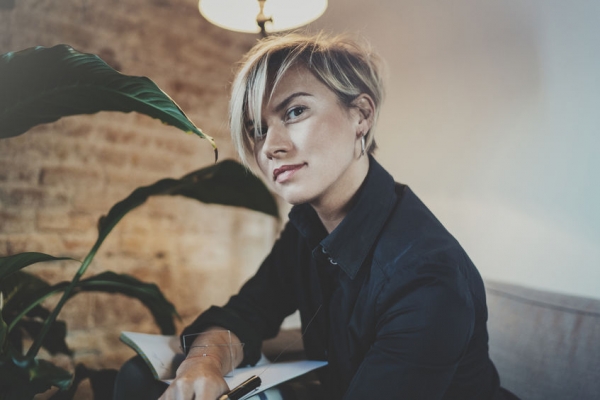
column 366, row 113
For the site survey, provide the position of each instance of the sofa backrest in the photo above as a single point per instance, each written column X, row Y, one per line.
column 545, row 345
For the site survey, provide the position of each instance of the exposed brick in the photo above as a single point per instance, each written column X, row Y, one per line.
column 120, row 136
column 94, row 199
column 140, row 245
column 77, row 130
column 19, row 243
column 55, row 271
column 64, row 221
column 17, row 172
column 78, row 246
column 27, row 197
column 69, row 129
column 58, row 178
column 151, row 162
column 112, row 157
column 16, row 222
column 130, row 178
column 179, row 147
column 55, row 198
column 24, row 197
column 70, row 175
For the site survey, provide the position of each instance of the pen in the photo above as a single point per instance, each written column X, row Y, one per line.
column 242, row 389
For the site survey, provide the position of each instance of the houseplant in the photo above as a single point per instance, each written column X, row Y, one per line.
column 41, row 85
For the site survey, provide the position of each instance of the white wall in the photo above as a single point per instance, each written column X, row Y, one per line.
column 492, row 118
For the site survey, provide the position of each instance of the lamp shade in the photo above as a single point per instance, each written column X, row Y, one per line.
column 240, row 15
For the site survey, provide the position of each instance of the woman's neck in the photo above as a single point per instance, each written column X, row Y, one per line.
column 333, row 208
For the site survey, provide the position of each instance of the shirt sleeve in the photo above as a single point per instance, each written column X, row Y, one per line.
column 257, row 311
column 423, row 329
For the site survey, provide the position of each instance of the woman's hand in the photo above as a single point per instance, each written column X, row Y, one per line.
column 214, row 353
column 198, row 378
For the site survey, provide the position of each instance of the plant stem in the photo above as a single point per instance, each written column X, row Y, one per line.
column 57, row 288
column 102, row 233
column 37, row 344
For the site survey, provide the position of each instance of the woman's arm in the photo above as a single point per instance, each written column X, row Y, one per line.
column 213, row 354
column 423, row 330
column 254, row 314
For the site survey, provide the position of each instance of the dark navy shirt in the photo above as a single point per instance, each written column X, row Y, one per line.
column 397, row 307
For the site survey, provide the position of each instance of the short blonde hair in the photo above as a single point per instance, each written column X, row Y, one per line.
column 345, row 66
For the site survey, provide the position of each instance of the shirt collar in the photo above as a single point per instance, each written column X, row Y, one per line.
column 350, row 242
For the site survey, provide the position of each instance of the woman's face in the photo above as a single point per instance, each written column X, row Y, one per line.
column 311, row 149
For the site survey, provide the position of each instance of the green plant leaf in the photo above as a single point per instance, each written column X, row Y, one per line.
column 21, row 289
column 40, row 85
column 17, row 288
column 3, row 329
column 21, row 379
column 101, row 380
column 31, row 291
column 149, row 294
column 55, row 341
column 45, row 371
column 11, row 264
column 24, row 298
column 227, row 182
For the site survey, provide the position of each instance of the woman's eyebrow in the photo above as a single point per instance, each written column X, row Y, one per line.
column 283, row 104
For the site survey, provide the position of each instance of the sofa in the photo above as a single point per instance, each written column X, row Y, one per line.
column 545, row 345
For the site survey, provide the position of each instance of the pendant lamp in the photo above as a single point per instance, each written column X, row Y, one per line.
column 264, row 16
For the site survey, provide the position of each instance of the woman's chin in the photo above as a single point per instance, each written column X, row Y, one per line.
column 296, row 200
column 294, row 197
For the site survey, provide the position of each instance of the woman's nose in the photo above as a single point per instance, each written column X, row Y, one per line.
column 276, row 143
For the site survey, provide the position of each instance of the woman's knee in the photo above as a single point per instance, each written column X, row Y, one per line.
column 136, row 381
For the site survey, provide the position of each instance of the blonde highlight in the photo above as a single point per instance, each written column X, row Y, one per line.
column 345, row 66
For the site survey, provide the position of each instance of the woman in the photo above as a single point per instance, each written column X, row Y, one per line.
column 386, row 295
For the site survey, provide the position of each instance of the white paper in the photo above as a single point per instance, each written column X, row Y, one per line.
column 272, row 374
column 164, row 354
column 161, row 351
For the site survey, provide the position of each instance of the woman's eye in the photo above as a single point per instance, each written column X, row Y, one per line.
column 294, row 112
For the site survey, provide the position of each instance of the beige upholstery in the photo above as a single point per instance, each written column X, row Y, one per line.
column 545, row 345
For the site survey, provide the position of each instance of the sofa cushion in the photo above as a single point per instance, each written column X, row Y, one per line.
column 545, row 345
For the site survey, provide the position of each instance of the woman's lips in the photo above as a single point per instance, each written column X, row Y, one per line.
column 285, row 172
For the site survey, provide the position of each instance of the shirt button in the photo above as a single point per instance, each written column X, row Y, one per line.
column 332, row 261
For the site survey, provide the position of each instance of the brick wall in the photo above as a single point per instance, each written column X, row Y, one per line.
column 58, row 179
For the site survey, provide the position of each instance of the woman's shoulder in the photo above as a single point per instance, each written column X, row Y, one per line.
column 415, row 246
column 411, row 221
column 413, row 237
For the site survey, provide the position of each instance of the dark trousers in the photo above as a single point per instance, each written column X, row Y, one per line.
column 504, row 394
column 136, row 382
